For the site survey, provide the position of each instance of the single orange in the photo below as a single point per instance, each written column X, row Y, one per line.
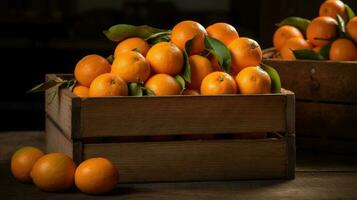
column 217, row 83
column 163, row 84
column 131, row 44
column 89, row 67
column 253, row 80
column 108, row 85
column 166, row 58
column 54, row 172
column 284, row 33
column 81, row 91
column 22, row 162
column 351, row 28
column 223, row 32
column 291, row 45
column 245, row 52
column 131, row 66
column 343, row 50
column 187, row 30
column 332, row 8
column 321, row 31
column 96, row 176
column 200, row 68
column 189, row 92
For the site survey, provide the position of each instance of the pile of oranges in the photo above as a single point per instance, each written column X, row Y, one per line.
column 158, row 67
column 333, row 32
column 56, row 172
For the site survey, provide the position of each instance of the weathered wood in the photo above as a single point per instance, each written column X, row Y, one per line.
column 290, row 136
column 56, row 141
column 195, row 160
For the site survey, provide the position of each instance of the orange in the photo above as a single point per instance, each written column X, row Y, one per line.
column 89, row 67
column 108, row 85
column 283, row 34
column 131, row 66
column 253, row 80
column 165, row 57
column 321, row 31
column 22, row 162
column 317, row 49
column 292, row 44
column 189, row 92
column 217, row 83
column 343, row 50
column 81, row 91
column 245, row 52
column 54, row 172
column 332, row 8
column 214, row 62
column 130, row 44
column 96, row 176
column 200, row 68
column 351, row 28
column 163, row 84
column 187, row 30
column 223, row 32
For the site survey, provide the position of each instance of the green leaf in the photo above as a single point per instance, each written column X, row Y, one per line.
column 181, row 81
column 307, row 54
column 275, row 78
column 148, row 92
column 70, row 84
column 110, row 59
column 159, row 37
column 186, row 73
column 341, row 26
column 119, row 32
column 136, row 50
column 220, row 52
column 325, row 52
column 45, row 86
column 350, row 13
column 298, row 22
column 135, row 89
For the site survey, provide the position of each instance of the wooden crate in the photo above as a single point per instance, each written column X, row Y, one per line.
column 90, row 127
column 326, row 102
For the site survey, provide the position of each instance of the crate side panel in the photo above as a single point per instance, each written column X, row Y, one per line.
column 56, row 141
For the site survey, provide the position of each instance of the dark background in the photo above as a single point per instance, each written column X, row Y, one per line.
column 50, row 36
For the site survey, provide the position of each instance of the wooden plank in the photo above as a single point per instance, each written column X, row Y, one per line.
column 129, row 116
column 290, row 135
column 346, row 147
column 56, row 141
column 318, row 80
column 324, row 120
column 195, row 160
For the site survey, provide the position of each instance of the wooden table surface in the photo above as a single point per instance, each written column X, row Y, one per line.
column 318, row 176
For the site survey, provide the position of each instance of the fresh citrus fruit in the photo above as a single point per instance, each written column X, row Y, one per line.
column 89, row 67
column 292, row 44
column 351, row 28
column 217, row 83
column 187, row 30
column 343, row 50
column 245, row 52
column 223, row 32
column 322, row 30
column 317, row 49
column 131, row 66
column 96, row 176
column 214, row 62
column 108, row 85
column 283, row 34
column 332, row 8
column 166, row 58
column 253, row 80
column 189, row 92
column 22, row 162
column 200, row 68
column 54, row 172
column 163, row 84
column 132, row 44
column 81, row 91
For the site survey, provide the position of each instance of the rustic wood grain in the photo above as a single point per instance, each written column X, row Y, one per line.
column 56, row 141
column 290, row 136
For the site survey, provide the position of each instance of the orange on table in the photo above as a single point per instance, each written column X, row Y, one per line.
column 332, row 8
column 292, row 44
column 165, row 57
column 108, row 85
column 189, row 92
column 54, row 172
column 284, row 33
column 130, row 44
column 131, row 66
column 343, row 50
column 321, row 31
column 89, row 67
column 351, row 28
column 217, row 83
column 187, row 30
column 245, row 52
column 22, row 162
column 223, row 32
column 81, row 91
column 163, row 85
column 96, row 176
column 253, row 80
column 200, row 68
